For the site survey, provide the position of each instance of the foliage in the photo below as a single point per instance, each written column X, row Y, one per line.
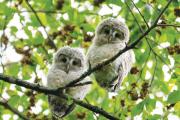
column 154, row 78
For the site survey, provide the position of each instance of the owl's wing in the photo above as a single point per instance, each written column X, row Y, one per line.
column 59, row 107
column 124, row 64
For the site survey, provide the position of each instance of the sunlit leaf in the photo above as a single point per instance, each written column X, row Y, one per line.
column 138, row 109
column 174, row 97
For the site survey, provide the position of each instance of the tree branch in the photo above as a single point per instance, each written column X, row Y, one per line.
column 132, row 45
column 157, row 19
column 151, row 49
column 44, row 11
column 15, row 111
column 135, row 18
column 82, row 84
column 154, row 71
column 46, row 90
column 92, row 112
column 141, row 32
column 40, row 22
column 140, row 13
column 143, row 66
column 164, row 25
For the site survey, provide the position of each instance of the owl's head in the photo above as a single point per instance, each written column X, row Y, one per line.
column 111, row 31
column 69, row 59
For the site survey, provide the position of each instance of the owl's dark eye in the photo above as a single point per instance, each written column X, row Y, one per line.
column 76, row 62
column 106, row 31
column 119, row 35
column 64, row 60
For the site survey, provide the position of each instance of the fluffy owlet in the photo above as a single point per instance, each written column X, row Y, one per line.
column 111, row 36
column 69, row 63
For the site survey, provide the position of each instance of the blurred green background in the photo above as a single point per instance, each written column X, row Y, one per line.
column 28, row 31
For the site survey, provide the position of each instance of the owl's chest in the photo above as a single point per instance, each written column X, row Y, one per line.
column 58, row 78
column 99, row 54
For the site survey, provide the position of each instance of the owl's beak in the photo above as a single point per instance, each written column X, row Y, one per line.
column 110, row 35
column 67, row 69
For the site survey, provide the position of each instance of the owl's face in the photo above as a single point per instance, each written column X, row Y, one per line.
column 69, row 60
column 111, row 31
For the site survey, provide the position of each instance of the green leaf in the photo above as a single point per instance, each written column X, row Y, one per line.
column 8, row 11
column 13, row 69
column 87, row 27
column 174, row 97
column 154, row 117
column 25, row 100
column 38, row 58
column 38, row 40
column 26, row 72
column 150, row 104
column 14, row 29
column 116, row 2
column 13, row 101
column 177, row 108
column 41, row 55
column 137, row 109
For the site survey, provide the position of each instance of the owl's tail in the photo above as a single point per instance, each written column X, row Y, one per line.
column 59, row 107
column 69, row 109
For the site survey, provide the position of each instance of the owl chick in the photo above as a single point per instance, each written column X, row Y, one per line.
column 69, row 63
column 111, row 36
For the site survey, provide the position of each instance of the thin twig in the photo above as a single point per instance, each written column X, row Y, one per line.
column 46, row 90
column 155, row 42
column 154, row 71
column 142, row 32
column 1, row 49
column 92, row 112
column 44, row 11
column 132, row 45
column 164, row 25
column 160, row 58
column 42, row 46
column 47, row 12
column 140, row 13
column 81, row 84
column 40, row 22
column 85, row 105
column 157, row 19
column 15, row 111
column 134, row 16
column 140, row 74
column 152, row 6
